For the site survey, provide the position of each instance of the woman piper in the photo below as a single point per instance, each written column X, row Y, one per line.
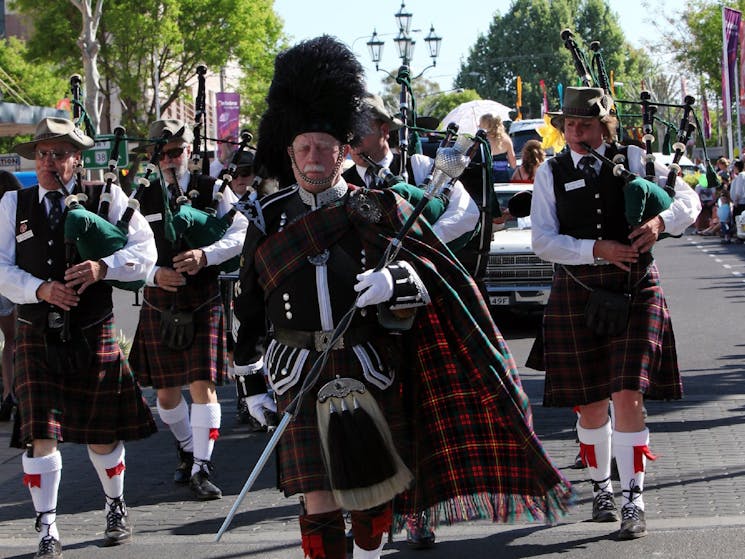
column 578, row 222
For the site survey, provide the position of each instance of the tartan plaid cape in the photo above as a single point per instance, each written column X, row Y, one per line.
column 476, row 455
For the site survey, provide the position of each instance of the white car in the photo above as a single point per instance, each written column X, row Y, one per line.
column 515, row 277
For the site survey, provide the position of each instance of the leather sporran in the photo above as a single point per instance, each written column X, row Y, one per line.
column 607, row 312
column 176, row 329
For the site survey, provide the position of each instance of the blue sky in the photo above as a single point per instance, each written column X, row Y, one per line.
column 459, row 24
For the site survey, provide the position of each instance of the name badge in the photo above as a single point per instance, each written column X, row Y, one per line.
column 574, row 185
column 154, row 217
column 24, row 236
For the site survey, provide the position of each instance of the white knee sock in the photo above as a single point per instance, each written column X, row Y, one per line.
column 177, row 420
column 42, row 477
column 110, row 469
column 360, row 553
column 596, row 449
column 205, row 422
column 631, row 451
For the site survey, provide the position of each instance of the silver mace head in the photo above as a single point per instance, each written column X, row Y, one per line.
column 450, row 162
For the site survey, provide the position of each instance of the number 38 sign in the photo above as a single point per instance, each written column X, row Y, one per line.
column 98, row 156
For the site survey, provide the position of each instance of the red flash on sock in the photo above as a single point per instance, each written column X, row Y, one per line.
column 639, row 452
column 587, row 453
column 32, row 480
column 313, row 546
column 214, row 434
column 116, row 470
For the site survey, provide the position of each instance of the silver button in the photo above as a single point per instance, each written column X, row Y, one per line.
column 50, row 242
column 288, row 306
column 600, row 211
column 285, row 296
column 49, row 262
column 288, row 314
column 599, row 226
column 597, row 195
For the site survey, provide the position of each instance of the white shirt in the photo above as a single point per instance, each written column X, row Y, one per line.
column 565, row 249
column 231, row 243
column 737, row 189
column 461, row 215
column 130, row 263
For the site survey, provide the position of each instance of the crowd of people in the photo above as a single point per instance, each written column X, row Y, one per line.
column 337, row 322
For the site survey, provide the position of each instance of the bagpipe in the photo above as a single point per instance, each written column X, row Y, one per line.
column 643, row 196
column 200, row 228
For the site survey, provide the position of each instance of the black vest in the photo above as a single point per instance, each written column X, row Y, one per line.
column 43, row 255
column 592, row 211
column 152, row 206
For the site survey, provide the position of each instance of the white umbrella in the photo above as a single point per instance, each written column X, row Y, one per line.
column 467, row 115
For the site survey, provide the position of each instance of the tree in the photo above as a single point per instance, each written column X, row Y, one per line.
column 146, row 44
column 527, row 42
column 26, row 82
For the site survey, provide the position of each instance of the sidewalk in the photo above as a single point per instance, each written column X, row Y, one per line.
column 695, row 497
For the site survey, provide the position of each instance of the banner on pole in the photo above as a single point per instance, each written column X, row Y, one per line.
column 731, row 30
column 228, row 112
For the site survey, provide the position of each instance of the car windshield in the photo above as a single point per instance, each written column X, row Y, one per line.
column 503, row 198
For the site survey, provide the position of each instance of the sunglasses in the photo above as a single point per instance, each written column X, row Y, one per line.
column 55, row 155
column 173, row 153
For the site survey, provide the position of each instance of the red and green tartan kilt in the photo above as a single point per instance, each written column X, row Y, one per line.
column 582, row 368
column 301, row 466
column 160, row 367
column 99, row 405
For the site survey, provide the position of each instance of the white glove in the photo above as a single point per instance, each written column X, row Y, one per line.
column 379, row 286
column 258, row 403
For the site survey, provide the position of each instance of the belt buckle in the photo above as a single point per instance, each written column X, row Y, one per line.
column 322, row 339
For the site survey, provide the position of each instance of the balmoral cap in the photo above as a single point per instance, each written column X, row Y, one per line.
column 54, row 129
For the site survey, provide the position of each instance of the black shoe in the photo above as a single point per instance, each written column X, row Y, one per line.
column 633, row 523
column 419, row 533
column 604, row 507
column 117, row 532
column 49, row 548
column 183, row 470
column 201, row 486
column 6, row 408
column 579, row 462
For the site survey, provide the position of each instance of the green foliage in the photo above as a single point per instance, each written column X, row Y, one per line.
column 526, row 42
column 141, row 39
column 440, row 105
column 32, row 82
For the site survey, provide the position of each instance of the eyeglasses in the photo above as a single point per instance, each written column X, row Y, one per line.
column 173, row 153
column 55, row 155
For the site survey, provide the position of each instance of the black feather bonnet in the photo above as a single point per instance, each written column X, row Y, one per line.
column 318, row 86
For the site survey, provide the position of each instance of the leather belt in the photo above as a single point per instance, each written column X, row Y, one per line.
column 319, row 340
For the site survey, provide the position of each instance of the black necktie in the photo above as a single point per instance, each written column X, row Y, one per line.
column 371, row 180
column 586, row 166
column 55, row 211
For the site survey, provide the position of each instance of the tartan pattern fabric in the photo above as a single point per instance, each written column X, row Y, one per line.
column 582, row 368
column 99, row 405
column 477, row 455
column 160, row 367
column 301, row 465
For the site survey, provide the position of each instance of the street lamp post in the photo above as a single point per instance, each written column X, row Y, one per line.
column 405, row 45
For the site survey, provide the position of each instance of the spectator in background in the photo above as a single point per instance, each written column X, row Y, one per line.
column 707, row 196
column 502, row 151
column 8, row 182
column 737, row 188
column 723, row 171
column 532, row 156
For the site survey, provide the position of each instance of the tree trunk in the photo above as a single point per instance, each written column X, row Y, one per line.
column 89, row 47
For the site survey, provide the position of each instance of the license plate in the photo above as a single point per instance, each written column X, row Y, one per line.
column 499, row 300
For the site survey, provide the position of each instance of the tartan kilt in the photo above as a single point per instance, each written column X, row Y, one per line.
column 160, row 367
column 581, row 367
column 300, row 461
column 99, row 405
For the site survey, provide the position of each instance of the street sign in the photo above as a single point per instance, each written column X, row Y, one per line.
column 10, row 161
column 98, row 156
